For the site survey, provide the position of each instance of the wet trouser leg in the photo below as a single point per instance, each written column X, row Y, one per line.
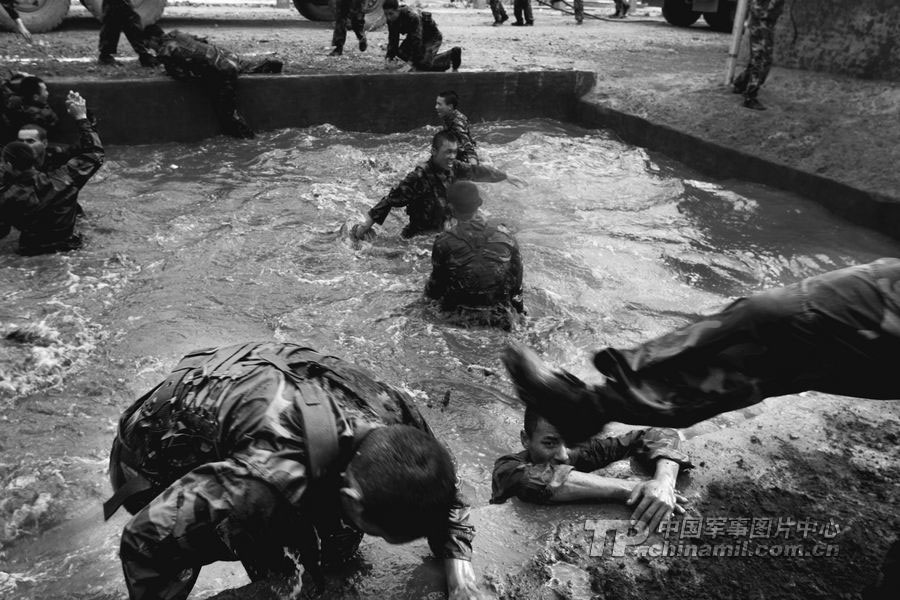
column 763, row 17
column 429, row 59
column 836, row 333
column 578, row 5
column 517, row 10
column 223, row 88
column 348, row 12
column 498, row 11
column 526, row 9
column 219, row 511
column 119, row 16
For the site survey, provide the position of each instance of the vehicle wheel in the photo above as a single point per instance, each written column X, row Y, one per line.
column 679, row 13
column 41, row 15
column 323, row 10
column 149, row 10
column 722, row 19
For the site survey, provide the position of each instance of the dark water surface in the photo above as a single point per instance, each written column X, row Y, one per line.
column 224, row 241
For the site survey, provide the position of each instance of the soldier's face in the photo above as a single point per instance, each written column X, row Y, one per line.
column 443, row 156
column 42, row 94
column 441, row 107
column 392, row 14
column 33, row 139
column 545, row 445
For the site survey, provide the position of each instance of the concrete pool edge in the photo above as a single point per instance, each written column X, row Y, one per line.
column 874, row 210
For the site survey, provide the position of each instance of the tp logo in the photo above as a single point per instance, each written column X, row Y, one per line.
column 623, row 535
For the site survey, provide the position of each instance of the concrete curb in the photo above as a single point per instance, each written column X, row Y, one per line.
column 141, row 111
column 871, row 209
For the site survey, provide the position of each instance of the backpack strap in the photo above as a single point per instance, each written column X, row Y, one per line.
column 319, row 426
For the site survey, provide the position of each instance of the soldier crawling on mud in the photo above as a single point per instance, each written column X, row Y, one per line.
column 264, row 451
column 188, row 57
column 476, row 265
column 424, row 190
column 446, row 106
column 548, row 471
column 422, row 42
column 43, row 204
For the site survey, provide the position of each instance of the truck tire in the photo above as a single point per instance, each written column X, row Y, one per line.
column 722, row 19
column 149, row 10
column 323, row 10
column 679, row 13
column 41, row 15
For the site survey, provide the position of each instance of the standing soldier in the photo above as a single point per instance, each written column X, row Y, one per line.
column 348, row 11
column 188, row 57
column 458, row 124
column 424, row 191
column 268, row 453
column 43, row 206
column 120, row 17
column 763, row 17
column 476, row 265
column 14, row 15
column 622, row 8
column 500, row 16
column 422, row 42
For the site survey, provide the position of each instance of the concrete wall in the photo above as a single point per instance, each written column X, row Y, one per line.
column 162, row 110
column 854, row 37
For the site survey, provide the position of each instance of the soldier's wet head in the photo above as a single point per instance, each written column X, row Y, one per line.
column 33, row 90
column 36, row 137
column 391, row 10
column 463, row 198
column 399, row 485
column 446, row 102
column 18, row 156
column 444, row 147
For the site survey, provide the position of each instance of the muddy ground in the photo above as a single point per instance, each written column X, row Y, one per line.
column 810, row 457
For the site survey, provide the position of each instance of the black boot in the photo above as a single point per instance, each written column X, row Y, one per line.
column 752, row 103
column 363, row 43
column 338, row 50
column 455, row 57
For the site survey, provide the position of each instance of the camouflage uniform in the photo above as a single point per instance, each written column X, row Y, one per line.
column 837, row 333
column 421, row 44
column 763, row 16
column 578, row 7
column 216, row 465
column 424, row 194
column 119, row 17
column 348, row 11
column 522, row 10
column 44, row 206
column 16, row 112
column 498, row 11
column 458, row 124
column 516, row 476
column 187, row 57
column 477, row 268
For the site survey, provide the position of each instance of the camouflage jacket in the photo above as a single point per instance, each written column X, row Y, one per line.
column 458, row 124
column 476, row 263
column 419, row 29
column 187, row 56
column 515, row 474
column 246, row 414
column 43, row 205
column 424, row 194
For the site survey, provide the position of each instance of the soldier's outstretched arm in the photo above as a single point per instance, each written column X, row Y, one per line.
column 90, row 157
column 218, row 511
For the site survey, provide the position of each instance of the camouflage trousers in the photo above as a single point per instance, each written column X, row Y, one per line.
column 425, row 56
column 498, row 11
column 348, row 12
column 763, row 16
column 838, row 333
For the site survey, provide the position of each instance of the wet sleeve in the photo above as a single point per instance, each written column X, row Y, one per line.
column 456, row 541
column 8, row 5
column 219, row 511
column 400, row 195
column 513, row 476
column 515, row 265
column 393, row 39
column 89, row 159
column 437, row 283
column 475, row 172
column 648, row 445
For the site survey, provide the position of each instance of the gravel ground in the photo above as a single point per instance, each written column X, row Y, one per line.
column 836, row 126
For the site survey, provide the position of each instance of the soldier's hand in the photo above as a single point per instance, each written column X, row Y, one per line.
column 76, row 105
